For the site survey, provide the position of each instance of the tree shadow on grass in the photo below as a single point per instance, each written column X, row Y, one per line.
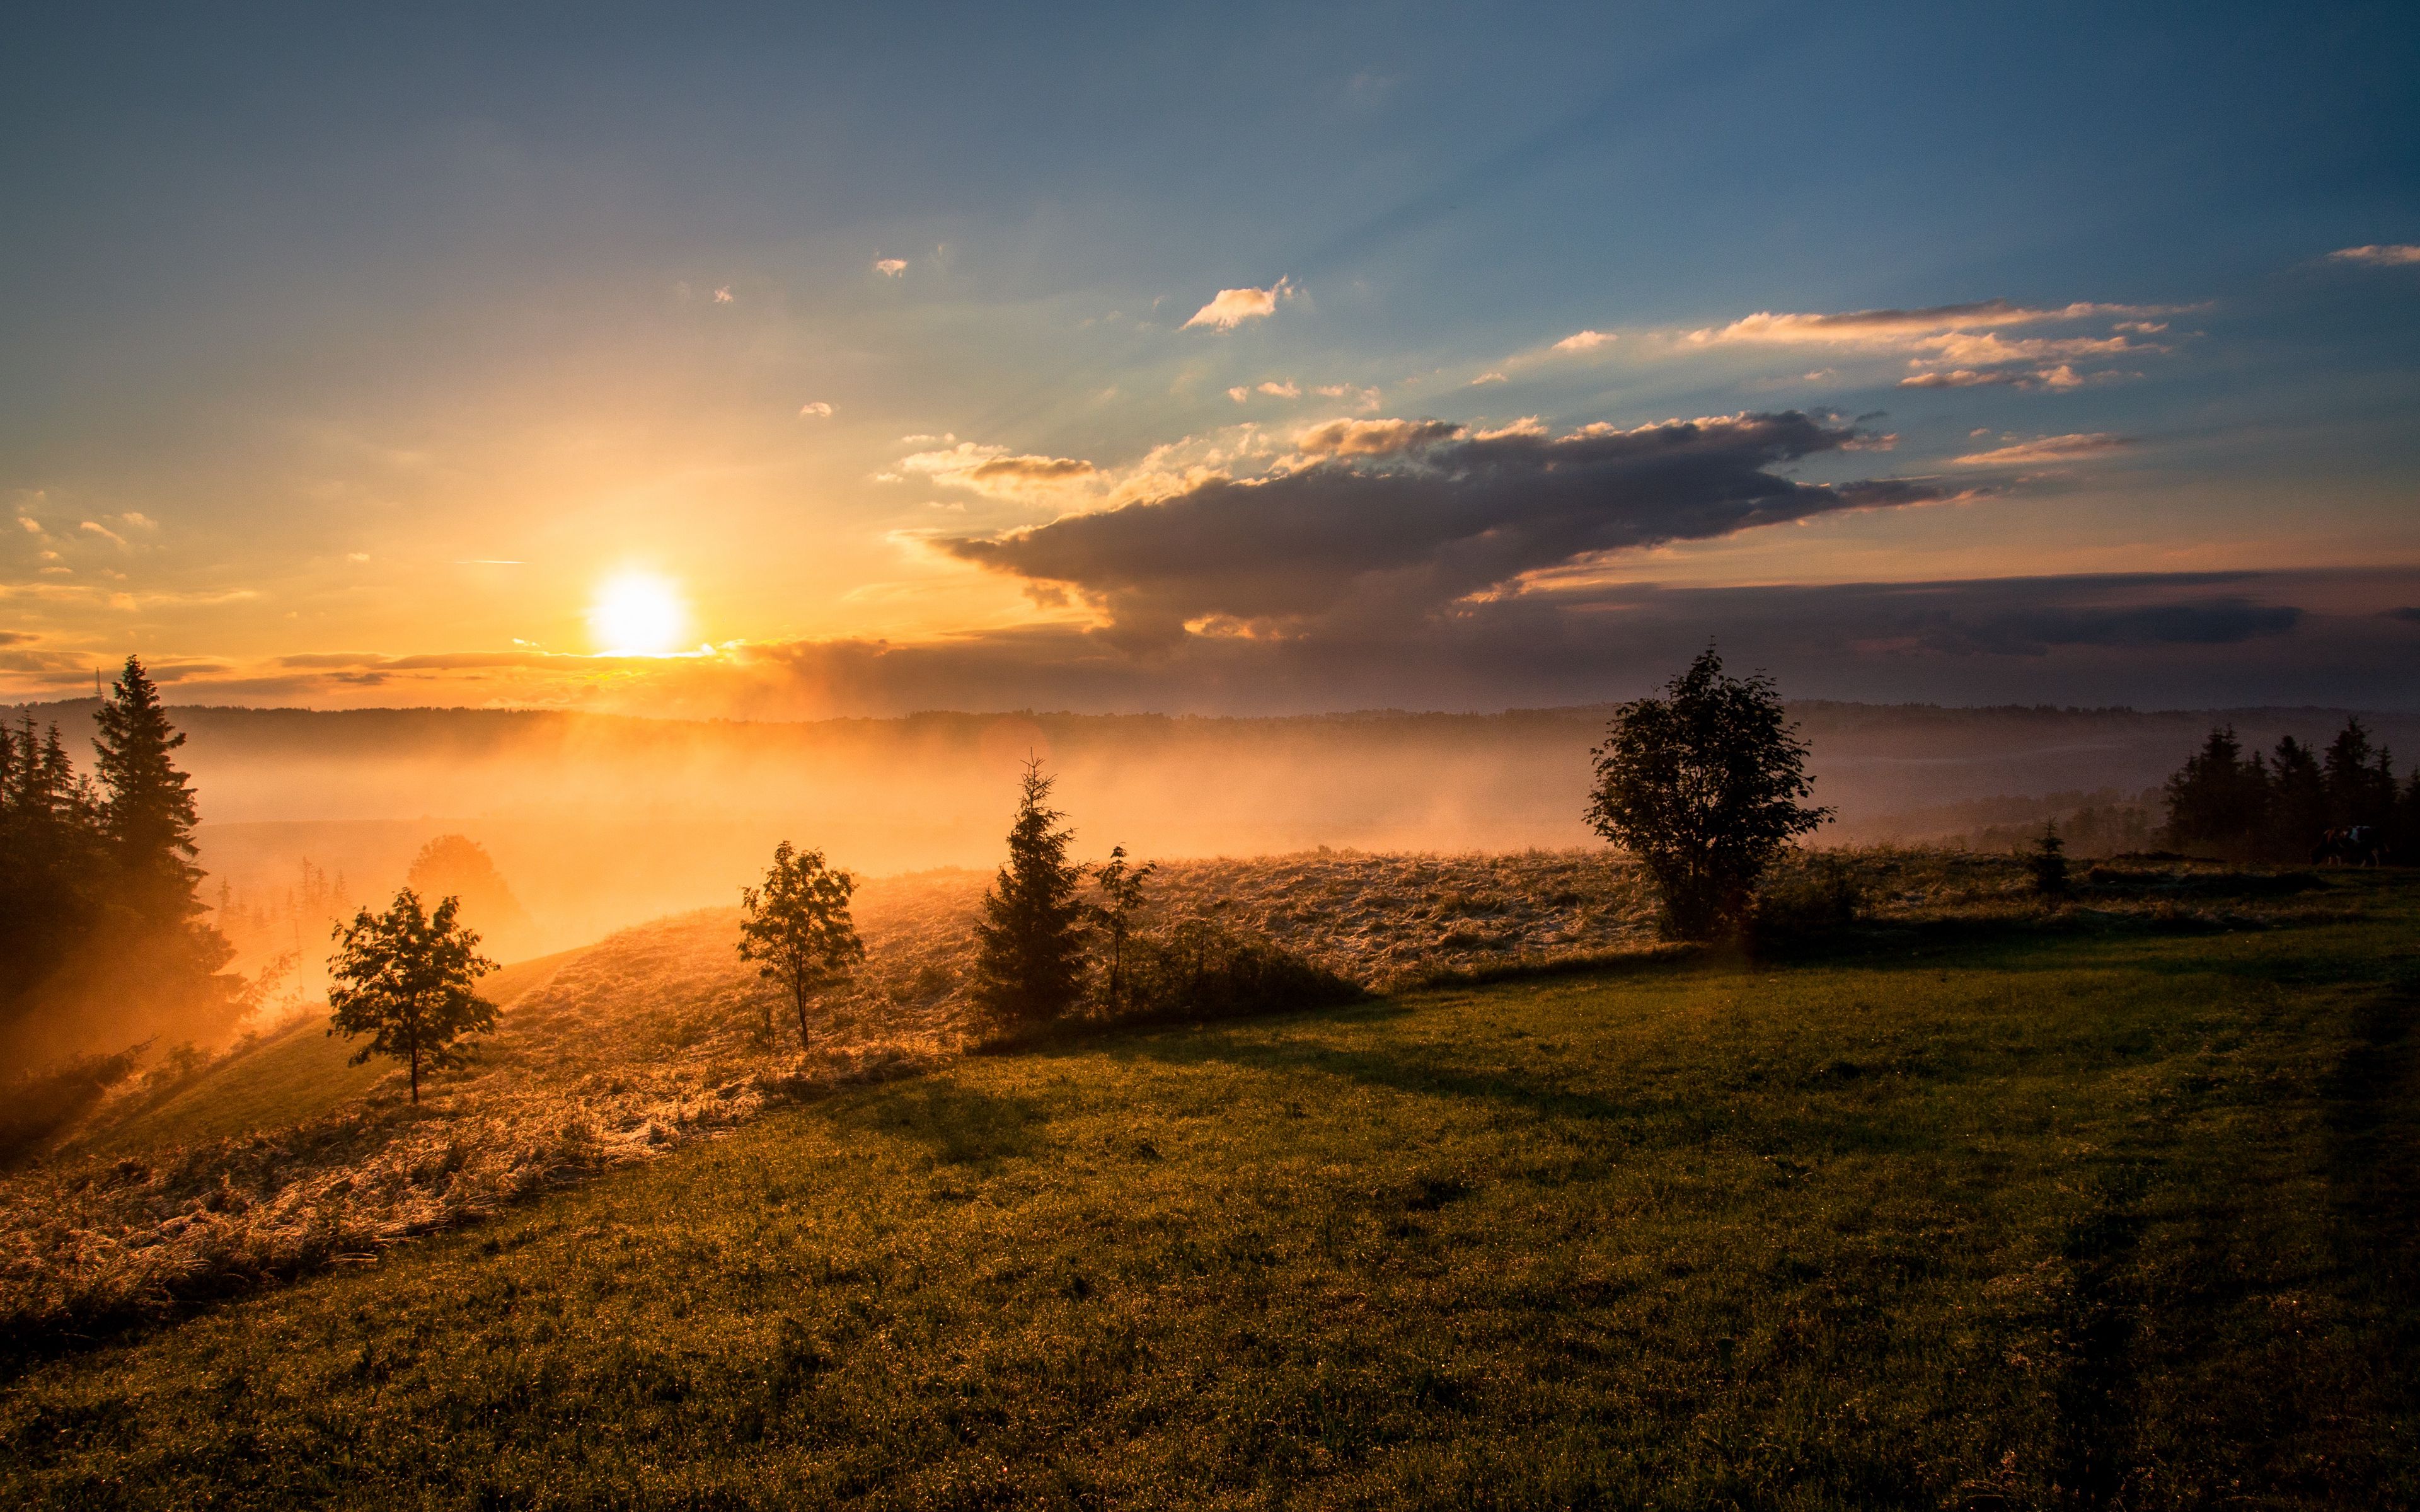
column 958, row 1125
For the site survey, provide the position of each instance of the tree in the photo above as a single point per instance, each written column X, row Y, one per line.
column 797, row 926
column 2361, row 789
column 2047, row 863
column 2298, row 801
column 2217, row 800
column 1030, row 947
column 404, row 978
column 52, row 885
column 150, row 813
column 1121, row 887
column 1702, row 785
column 458, row 865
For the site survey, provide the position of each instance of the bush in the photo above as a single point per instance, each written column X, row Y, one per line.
column 1807, row 902
column 1195, row 969
column 36, row 1104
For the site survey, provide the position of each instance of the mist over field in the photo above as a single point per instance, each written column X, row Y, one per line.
column 597, row 821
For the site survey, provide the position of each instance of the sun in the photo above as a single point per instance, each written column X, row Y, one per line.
column 636, row 614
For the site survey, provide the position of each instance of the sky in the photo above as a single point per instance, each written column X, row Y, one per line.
column 794, row 362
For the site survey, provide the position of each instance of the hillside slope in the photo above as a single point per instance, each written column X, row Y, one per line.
column 1995, row 1219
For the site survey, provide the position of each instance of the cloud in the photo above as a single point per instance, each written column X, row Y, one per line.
column 137, row 519
column 723, row 295
column 1583, row 341
column 104, row 531
column 1374, row 437
column 2047, row 449
column 357, row 556
column 1239, row 393
column 2396, row 254
column 1362, row 398
column 1032, row 469
column 2063, row 375
column 1234, row 306
column 1281, row 391
column 890, row 267
column 814, row 410
column 1402, row 517
column 1488, row 377
column 30, row 525
column 1891, row 325
column 994, row 472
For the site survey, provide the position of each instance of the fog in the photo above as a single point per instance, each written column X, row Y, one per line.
column 597, row 821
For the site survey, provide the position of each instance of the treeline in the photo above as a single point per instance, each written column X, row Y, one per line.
column 101, row 933
column 2294, row 804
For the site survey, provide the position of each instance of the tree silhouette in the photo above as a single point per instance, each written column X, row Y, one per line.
column 458, row 865
column 405, row 978
column 796, row 927
column 1029, row 956
column 2047, row 863
column 1121, row 887
column 1702, row 785
column 150, row 813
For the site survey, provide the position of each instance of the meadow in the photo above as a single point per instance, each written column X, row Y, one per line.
column 1978, row 1205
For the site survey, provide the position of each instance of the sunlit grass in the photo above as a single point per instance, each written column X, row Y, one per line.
column 2026, row 1221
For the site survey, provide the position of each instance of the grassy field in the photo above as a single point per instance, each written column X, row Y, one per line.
column 2004, row 1217
column 295, row 1074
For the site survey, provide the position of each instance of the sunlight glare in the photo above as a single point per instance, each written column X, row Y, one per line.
column 636, row 614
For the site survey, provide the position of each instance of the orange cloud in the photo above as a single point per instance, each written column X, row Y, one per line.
column 1234, row 306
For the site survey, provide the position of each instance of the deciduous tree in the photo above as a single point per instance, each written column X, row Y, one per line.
column 1702, row 785
column 796, row 927
column 404, row 978
column 1121, row 889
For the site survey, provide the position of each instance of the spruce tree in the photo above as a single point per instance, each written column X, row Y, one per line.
column 2360, row 785
column 1030, row 959
column 2298, row 801
column 2218, row 801
column 150, row 813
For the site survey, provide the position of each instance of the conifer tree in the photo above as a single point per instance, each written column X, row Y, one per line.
column 2298, row 801
column 405, row 978
column 150, row 813
column 2218, row 800
column 1030, row 959
column 2360, row 785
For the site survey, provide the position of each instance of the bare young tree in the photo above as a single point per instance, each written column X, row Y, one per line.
column 796, row 927
column 1121, row 887
column 404, row 977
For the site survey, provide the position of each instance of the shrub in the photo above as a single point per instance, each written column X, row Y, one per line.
column 1823, row 896
column 1195, row 969
column 36, row 1104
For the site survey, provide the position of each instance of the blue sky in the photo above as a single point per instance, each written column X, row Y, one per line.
column 351, row 354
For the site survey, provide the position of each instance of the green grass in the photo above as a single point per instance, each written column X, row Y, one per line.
column 296, row 1074
column 2050, row 1221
